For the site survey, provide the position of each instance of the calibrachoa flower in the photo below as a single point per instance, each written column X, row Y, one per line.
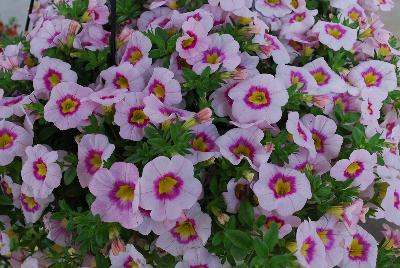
column 10, row 189
column 168, row 186
column 228, row 5
column 284, row 224
column 93, row 149
column 310, row 249
column 123, row 76
column 335, row 35
column 298, row 77
column 362, row 250
column 129, row 115
column 194, row 41
column 40, row 172
column 236, row 191
column 191, row 230
column 13, row 140
column 258, row 99
column 298, row 22
column 270, row 46
column 49, row 73
column 302, row 161
column 97, row 12
column 358, row 168
column 137, row 51
column 32, row 208
column 223, row 50
column 4, row 244
column 57, row 231
column 69, row 105
column 10, row 106
column 203, row 143
column 163, row 85
column 391, row 202
column 282, row 189
column 301, row 135
column 198, row 257
column 128, row 258
column 117, row 194
column 272, row 8
column 240, row 143
column 221, row 102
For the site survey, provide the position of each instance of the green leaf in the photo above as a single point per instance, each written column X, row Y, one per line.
column 69, row 175
column 246, row 213
column 261, row 248
column 271, row 237
column 5, row 201
column 239, row 239
column 238, row 253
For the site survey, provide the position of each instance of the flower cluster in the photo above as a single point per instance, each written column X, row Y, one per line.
column 225, row 133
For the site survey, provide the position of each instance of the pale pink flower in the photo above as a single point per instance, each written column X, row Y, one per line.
column 57, row 230
column 272, row 8
column 298, row 22
column 198, row 257
column 158, row 17
column 298, row 77
column 124, row 76
column 391, row 202
column 335, row 35
column 302, row 161
column 301, row 135
column 10, row 189
column 203, row 143
column 236, row 191
column 228, row 5
column 194, row 40
column 137, row 51
column 32, row 208
column 92, row 37
column 128, row 258
column 97, row 12
column 270, row 46
column 284, row 224
column 10, row 106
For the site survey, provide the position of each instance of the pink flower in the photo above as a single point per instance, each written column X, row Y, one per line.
column 310, row 249
column 57, row 230
column 203, row 143
column 223, row 50
column 117, row 194
column 221, row 102
column 272, row 8
column 50, row 72
column 107, row 96
column 168, row 186
column 159, row 112
column 323, row 129
column 327, row 80
column 358, row 168
column 302, row 160
column 191, row 230
column 194, row 40
column 228, row 5
column 282, row 189
column 13, row 140
column 68, row 106
column 201, row 15
column 362, row 251
column 392, row 237
column 298, row 77
column 158, row 17
column 298, row 22
column 10, row 189
column 129, row 115
column 391, row 202
column 92, row 37
column 269, row 46
column 378, row 76
column 10, row 106
column 240, row 143
column 301, row 135
column 258, row 99
column 4, row 244
column 295, row 5
column 93, row 149
column 236, row 191
column 129, row 258
column 137, row 51
column 335, row 35
column 284, row 224
column 40, row 172
column 354, row 12
column 32, row 208
column 198, row 257
column 163, row 85
column 97, row 12
column 124, row 76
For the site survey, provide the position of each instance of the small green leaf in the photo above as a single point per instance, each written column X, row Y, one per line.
column 69, row 175
column 239, row 239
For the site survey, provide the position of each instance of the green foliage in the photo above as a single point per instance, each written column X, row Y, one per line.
column 128, row 10
column 282, row 149
column 191, row 5
column 240, row 34
column 74, row 11
column 14, row 86
column 387, row 258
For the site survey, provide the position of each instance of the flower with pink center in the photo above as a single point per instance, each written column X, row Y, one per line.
column 295, row 5
column 361, row 251
column 223, row 50
column 93, row 150
column 168, row 186
column 327, row 80
column 236, row 191
column 392, row 237
column 228, row 5
column 303, row 161
column 158, row 112
column 124, row 76
column 194, row 40
column 11, row 57
column 282, row 189
column 137, row 51
column 203, row 143
column 97, row 12
column 298, row 22
column 378, row 76
column 10, row 106
column 376, row 5
column 201, row 15
column 106, row 97
column 158, row 17
column 198, row 257
column 92, row 37
column 49, row 73
column 298, row 77
column 391, row 202
column 220, row 17
column 358, row 168
column 301, row 134
column 117, row 194
column 354, row 13
column 131, row 118
column 350, row 214
column 333, row 235
column 163, row 85
column 284, row 224
column 4, row 244
column 241, row 143
column 57, row 230
column 191, row 230
column 32, row 208
column 69, row 105
column 221, row 102
column 272, row 8
column 270, row 46
column 335, row 35
column 323, row 130
column 128, row 258
column 149, row 225
column 10, row 189
column 40, row 172
column 13, row 141
column 258, row 99
column 390, row 126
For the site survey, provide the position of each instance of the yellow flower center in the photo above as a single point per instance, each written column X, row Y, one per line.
column 335, row 32
column 186, row 230
column 353, row 168
column 323, row 235
column 167, row 185
column 354, row 15
column 199, row 144
column 258, row 98
column 41, row 169
column 294, row 3
column 213, row 58
column 282, row 187
column 304, row 249
column 356, row 249
column 273, row 2
column 187, row 42
column 320, row 77
column 370, row 79
column 68, row 106
column 242, row 149
column 96, row 161
column 317, row 142
column 125, row 193
column 54, row 79
column 138, row 117
column 6, row 140
column 136, row 56
column 159, row 90
column 30, row 201
column 122, row 82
